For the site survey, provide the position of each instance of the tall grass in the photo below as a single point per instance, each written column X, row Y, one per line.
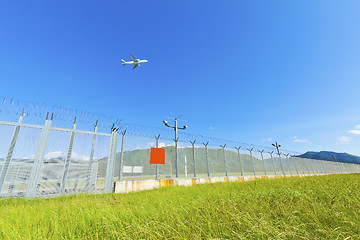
column 317, row 207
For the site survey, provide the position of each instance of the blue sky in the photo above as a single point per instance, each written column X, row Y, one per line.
column 252, row 71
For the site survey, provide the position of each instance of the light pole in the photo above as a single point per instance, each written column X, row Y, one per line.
column 193, row 155
column 277, row 148
column 157, row 165
column 176, row 141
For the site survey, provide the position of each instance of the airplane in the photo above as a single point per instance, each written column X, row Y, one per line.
column 135, row 61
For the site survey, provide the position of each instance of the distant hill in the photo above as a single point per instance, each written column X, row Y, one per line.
column 326, row 155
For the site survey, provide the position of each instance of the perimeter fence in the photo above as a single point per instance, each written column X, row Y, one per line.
column 44, row 160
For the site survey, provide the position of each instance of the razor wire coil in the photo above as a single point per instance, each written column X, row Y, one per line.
column 15, row 106
column 36, row 109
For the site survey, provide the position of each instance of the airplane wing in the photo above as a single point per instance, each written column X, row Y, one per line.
column 135, row 65
column 134, row 59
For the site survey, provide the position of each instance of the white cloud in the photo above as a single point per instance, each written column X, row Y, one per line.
column 355, row 132
column 344, row 140
column 296, row 139
column 211, row 128
column 76, row 156
column 56, row 154
column 62, row 155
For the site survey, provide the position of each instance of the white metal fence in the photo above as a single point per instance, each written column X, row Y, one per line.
column 43, row 160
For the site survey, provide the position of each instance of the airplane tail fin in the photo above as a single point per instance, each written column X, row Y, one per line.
column 123, row 62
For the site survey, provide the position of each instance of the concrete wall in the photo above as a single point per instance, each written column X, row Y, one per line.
column 140, row 185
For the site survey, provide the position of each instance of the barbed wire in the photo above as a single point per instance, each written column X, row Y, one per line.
column 16, row 106
column 36, row 109
column 166, row 134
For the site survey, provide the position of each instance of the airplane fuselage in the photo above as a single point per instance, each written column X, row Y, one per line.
column 138, row 62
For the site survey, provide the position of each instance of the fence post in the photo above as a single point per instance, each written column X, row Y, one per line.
column 294, row 157
column 332, row 167
column 302, row 164
column 323, row 167
column 337, row 164
column 207, row 160
column 306, row 165
column 345, row 168
column 193, row 155
column 68, row 159
column 262, row 158
column 14, row 138
column 39, row 157
column 157, row 165
column 111, row 161
column 299, row 165
column 272, row 159
column 287, row 159
column 335, row 167
column 226, row 170
column 315, row 167
column 252, row 160
column 90, row 182
column 122, row 155
column 238, row 150
column 312, row 162
column 282, row 167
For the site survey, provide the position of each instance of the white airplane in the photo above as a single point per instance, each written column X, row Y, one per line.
column 135, row 61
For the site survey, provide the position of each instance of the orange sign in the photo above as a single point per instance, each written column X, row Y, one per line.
column 157, row 156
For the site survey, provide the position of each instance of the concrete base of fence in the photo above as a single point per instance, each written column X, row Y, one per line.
column 140, row 185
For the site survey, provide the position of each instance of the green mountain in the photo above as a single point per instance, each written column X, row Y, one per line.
column 141, row 157
column 328, row 156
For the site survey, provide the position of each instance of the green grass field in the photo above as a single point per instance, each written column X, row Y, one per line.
column 317, row 207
